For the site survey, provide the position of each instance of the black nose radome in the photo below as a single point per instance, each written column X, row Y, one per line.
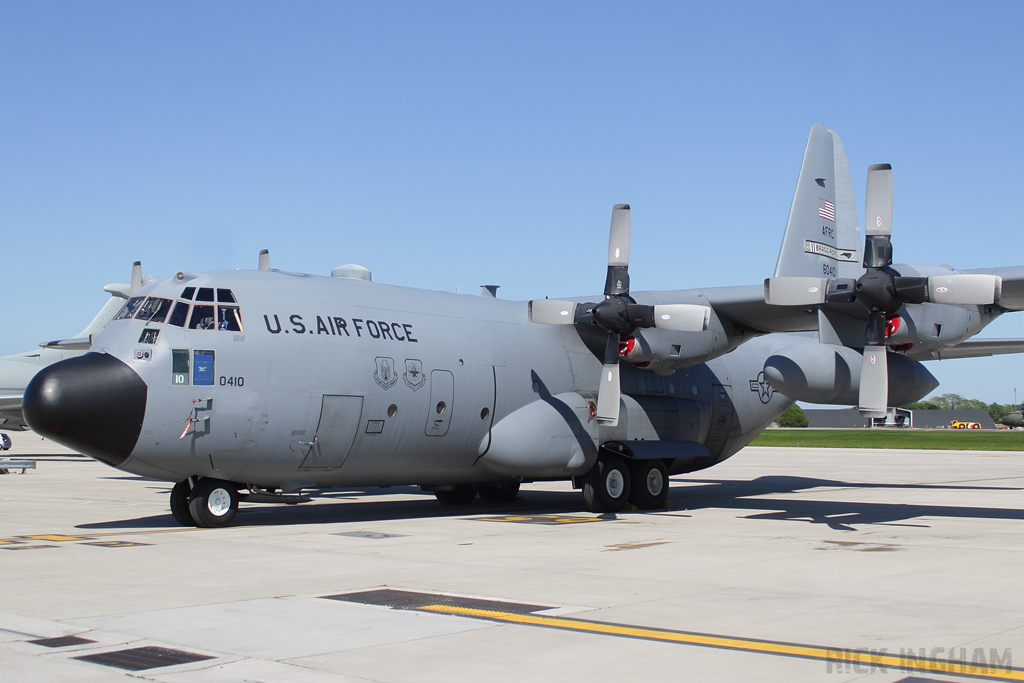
column 94, row 404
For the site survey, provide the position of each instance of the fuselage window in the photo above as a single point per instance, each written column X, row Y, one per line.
column 179, row 366
column 202, row 367
column 225, row 296
column 205, row 294
column 179, row 315
column 228, row 318
column 202, row 318
column 188, row 292
column 154, row 310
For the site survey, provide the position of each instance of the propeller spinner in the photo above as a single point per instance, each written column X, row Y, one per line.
column 618, row 314
column 881, row 290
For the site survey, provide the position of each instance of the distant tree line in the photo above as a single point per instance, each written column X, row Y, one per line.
column 795, row 417
column 957, row 402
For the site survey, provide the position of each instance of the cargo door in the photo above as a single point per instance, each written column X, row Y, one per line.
column 442, row 399
column 339, row 422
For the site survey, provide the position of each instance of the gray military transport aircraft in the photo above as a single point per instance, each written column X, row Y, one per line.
column 260, row 385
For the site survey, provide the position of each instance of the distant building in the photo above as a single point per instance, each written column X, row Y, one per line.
column 850, row 418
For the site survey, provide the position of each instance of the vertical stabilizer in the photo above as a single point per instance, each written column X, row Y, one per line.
column 118, row 295
column 810, row 246
column 847, row 228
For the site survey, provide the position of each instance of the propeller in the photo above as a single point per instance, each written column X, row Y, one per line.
column 618, row 314
column 881, row 290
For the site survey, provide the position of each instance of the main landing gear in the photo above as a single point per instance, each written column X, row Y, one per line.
column 615, row 482
column 208, row 503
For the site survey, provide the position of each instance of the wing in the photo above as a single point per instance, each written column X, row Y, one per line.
column 745, row 308
column 977, row 348
column 1012, row 297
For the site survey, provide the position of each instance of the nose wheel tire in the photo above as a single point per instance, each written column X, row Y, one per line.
column 606, row 488
column 461, row 495
column 649, row 484
column 213, row 503
column 179, row 503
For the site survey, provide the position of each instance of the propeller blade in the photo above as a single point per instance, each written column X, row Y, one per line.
column 551, row 311
column 878, row 217
column 874, row 382
column 608, row 389
column 682, row 317
column 795, row 291
column 136, row 277
column 608, row 396
column 264, row 259
column 878, row 201
column 618, row 236
column 617, row 282
column 966, row 288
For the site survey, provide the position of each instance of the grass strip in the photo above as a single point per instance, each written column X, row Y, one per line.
column 926, row 439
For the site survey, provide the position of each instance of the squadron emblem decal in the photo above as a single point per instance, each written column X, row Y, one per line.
column 763, row 389
column 385, row 374
column 413, row 375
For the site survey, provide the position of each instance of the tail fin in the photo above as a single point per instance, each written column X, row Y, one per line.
column 847, row 228
column 118, row 293
column 822, row 238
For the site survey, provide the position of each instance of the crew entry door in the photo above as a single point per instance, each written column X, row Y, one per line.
column 339, row 421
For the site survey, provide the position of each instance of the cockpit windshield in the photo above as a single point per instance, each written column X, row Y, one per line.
column 214, row 315
column 154, row 310
column 128, row 310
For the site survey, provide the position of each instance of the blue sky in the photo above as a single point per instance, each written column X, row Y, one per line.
column 455, row 144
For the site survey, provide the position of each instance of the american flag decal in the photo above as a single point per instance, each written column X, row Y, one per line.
column 827, row 210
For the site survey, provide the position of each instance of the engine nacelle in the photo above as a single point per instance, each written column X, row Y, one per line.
column 823, row 373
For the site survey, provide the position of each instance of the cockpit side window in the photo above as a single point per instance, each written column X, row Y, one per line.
column 128, row 310
column 225, row 296
column 188, row 293
column 179, row 315
column 202, row 318
column 205, row 294
column 229, row 318
column 154, row 310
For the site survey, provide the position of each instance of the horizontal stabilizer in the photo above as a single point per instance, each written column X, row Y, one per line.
column 76, row 344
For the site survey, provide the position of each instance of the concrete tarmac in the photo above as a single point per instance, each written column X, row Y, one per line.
column 778, row 565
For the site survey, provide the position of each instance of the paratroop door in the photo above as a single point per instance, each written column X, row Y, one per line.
column 442, row 399
column 339, row 422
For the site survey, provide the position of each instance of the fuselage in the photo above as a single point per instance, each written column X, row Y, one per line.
column 293, row 381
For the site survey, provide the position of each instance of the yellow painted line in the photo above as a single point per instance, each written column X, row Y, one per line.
column 29, row 547
column 54, row 537
column 541, row 519
column 115, row 544
column 104, row 534
column 826, row 654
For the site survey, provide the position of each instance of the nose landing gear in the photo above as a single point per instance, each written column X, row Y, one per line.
column 210, row 503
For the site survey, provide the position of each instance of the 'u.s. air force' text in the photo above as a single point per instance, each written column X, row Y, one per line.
column 338, row 326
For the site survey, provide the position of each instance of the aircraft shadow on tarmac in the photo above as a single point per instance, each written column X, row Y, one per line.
column 364, row 505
